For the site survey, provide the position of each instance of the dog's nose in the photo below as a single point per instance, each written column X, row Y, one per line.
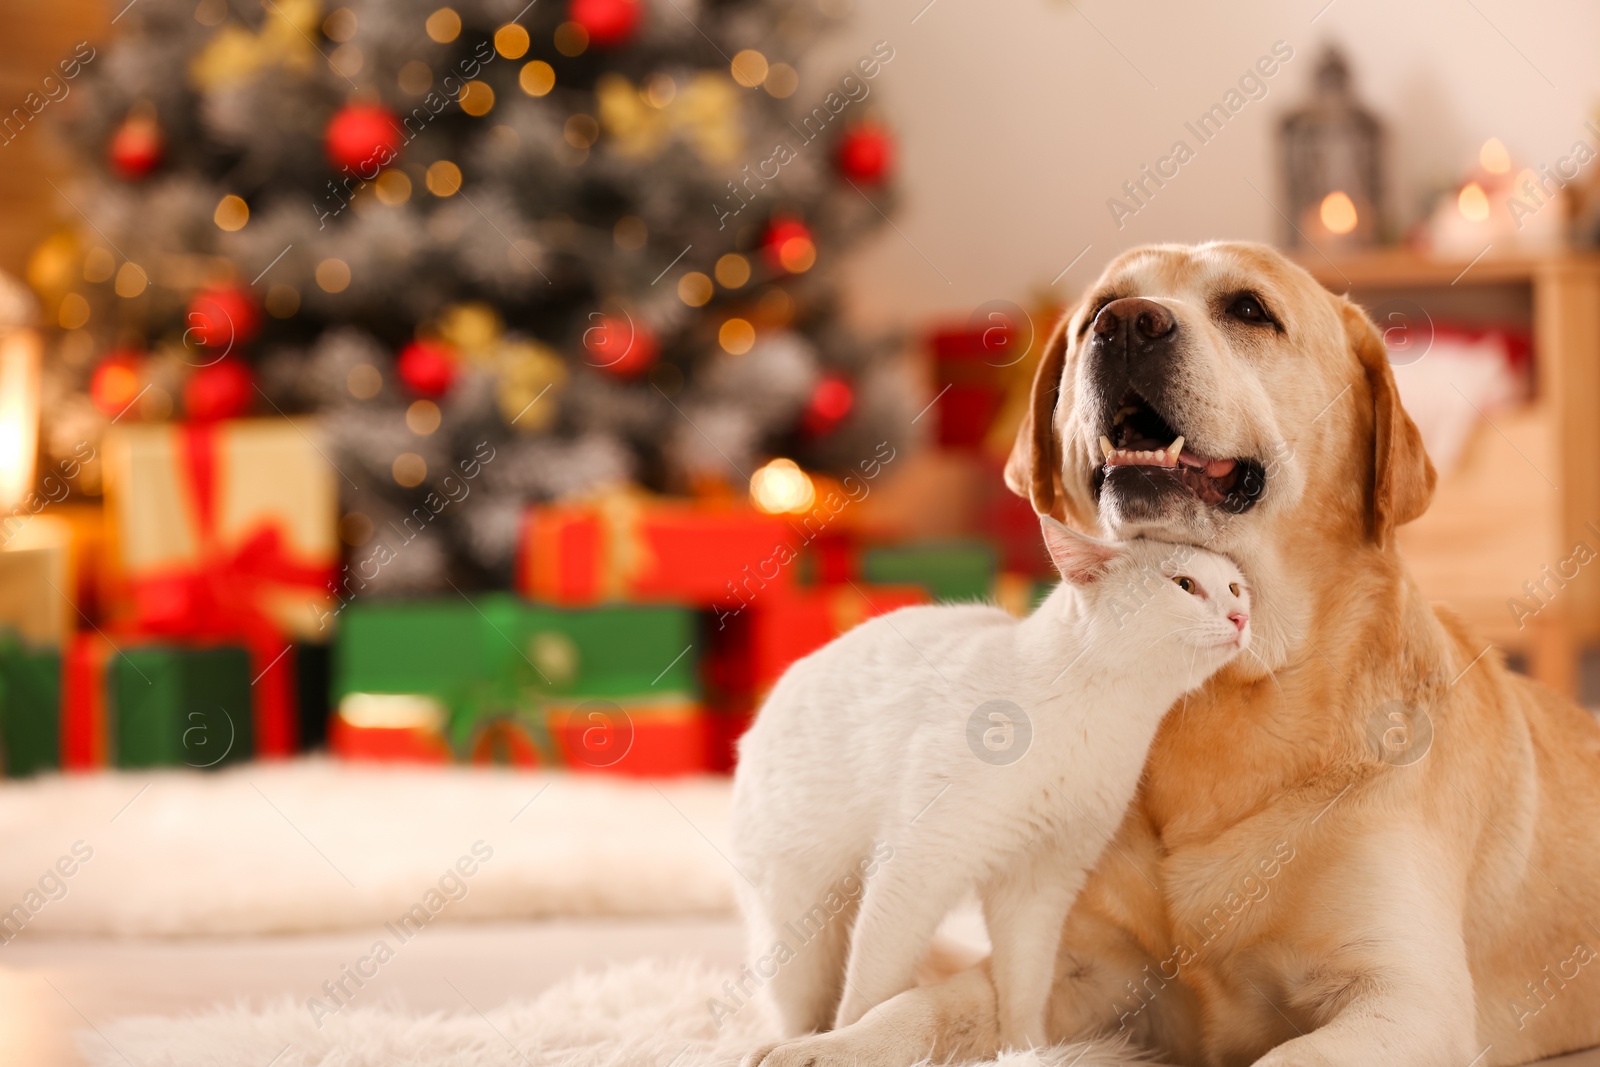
column 1240, row 620
column 1148, row 318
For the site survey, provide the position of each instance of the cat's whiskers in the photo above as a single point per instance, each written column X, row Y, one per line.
column 1264, row 666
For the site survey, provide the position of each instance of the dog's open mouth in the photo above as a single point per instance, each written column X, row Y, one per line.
column 1139, row 437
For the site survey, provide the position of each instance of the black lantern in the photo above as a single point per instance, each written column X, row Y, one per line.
column 1332, row 153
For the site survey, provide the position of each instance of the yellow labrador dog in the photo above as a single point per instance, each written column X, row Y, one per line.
column 1370, row 844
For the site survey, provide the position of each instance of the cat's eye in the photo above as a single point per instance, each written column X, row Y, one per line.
column 1233, row 587
column 1186, row 583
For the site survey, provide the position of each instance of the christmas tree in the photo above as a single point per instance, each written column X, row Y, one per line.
column 503, row 252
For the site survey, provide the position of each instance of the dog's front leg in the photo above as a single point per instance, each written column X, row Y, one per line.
column 1385, row 964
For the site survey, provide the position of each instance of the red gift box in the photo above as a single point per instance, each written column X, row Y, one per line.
column 972, row 384
column 645, row 738
column 630, row 547
column 389, row 728
column 753, row 646
column 224, row 532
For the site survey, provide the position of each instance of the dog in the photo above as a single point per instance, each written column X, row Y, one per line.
column 1365, row 843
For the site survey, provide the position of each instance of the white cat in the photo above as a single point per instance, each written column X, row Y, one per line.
column 936, row 750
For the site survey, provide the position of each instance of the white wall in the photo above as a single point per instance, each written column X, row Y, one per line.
column 1017, row 119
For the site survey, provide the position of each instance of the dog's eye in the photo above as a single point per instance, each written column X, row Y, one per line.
column 1186, row 583
column 1247, row 308
column 1233, row 587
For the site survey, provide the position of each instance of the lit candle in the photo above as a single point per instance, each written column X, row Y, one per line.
column 19, row 413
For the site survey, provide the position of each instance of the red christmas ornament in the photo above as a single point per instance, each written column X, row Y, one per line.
column 830, row 402
column 222, row 390
column 608, row 22
column 116, row 382
column 787, row 245
column 866, row 153
column 221, row 317
column 621, row 346
column 136, row 147
column 363, row 139
column 428, row 368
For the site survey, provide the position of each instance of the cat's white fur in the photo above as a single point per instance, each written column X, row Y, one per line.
column 881, row 781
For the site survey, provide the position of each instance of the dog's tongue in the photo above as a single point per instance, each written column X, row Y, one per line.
column 1214, row 468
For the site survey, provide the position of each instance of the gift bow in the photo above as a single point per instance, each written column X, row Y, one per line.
column 704, row 113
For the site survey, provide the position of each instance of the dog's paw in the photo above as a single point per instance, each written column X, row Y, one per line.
column 815, row 1050
column 758, row 1056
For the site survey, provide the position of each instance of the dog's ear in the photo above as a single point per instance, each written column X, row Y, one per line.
column 1403, row 477
column 1033, row 470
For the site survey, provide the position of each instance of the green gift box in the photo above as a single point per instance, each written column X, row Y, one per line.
column 951, row 570
column 180, row 706
column 498, row 656
column 30, row 708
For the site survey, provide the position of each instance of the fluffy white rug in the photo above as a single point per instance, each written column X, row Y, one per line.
column 644, row 1014
column 317, row 845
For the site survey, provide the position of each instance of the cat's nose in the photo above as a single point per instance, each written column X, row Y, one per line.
column 1240, row 620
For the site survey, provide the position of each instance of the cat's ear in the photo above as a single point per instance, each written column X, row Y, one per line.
column 1081, row 559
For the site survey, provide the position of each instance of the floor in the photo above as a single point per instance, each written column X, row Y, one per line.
column 52, row 989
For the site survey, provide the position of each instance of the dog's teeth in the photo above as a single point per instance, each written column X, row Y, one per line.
column 1105, row 445
column 1174, row 449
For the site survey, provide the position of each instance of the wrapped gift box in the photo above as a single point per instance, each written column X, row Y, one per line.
column 389, row 728
column 177, row 706
column 30, row 707
column 644, row 549
column 497, row 646
column 85, row 716
column 756, row 644
column 224, row 532
column 508, row 674
column 956, row 570
column 155, row 704
column 38, row 584
column 651, row 736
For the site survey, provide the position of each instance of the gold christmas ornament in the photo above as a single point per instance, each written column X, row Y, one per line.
column 529, row 378
column 473, row 329
column 235, row 55
column 704, row 113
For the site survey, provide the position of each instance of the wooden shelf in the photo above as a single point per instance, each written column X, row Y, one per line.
column 1528, row 485
column 1404, row 268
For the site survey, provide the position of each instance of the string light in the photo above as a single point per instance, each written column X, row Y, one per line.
column 781, row 487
